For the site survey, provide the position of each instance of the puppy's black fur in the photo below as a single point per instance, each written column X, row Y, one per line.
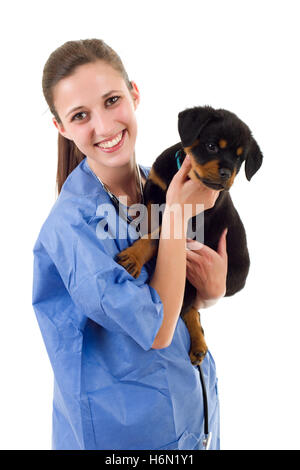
column 218, row 142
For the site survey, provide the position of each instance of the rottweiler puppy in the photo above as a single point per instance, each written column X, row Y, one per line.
column 218, row 142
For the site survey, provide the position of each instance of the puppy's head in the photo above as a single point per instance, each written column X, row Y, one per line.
column 218, row 142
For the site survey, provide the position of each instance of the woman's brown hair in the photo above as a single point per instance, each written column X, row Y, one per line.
column 61, row 64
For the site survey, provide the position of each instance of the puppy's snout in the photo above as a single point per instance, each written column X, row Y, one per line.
column 225, row 173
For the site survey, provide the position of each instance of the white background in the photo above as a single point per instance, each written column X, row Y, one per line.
column 239, row 55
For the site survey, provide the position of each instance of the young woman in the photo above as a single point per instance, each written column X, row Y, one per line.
column 118, row 347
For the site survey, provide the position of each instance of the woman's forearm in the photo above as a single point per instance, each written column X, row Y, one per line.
column 169, row 276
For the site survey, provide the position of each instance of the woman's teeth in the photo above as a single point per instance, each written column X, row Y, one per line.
column 111, row 143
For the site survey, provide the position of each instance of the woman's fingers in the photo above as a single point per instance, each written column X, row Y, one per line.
column 193, row 196
column 193, row 245
column 184, row 169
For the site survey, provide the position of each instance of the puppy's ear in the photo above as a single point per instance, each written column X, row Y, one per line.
column 192, row 121
column 254, row 159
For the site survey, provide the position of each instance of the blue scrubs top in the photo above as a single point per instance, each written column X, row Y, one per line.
column 111, row 390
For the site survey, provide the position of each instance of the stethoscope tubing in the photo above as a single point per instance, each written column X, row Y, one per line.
column 205, row 402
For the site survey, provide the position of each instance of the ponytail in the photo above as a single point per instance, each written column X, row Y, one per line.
column 69, row 156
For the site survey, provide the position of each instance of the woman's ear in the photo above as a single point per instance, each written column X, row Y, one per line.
column 60, row 128
column 135, row 93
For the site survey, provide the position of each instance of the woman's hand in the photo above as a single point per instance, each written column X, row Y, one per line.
column 188, row 194
column 206, row 270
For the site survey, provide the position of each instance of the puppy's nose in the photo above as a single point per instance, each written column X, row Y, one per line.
column 225, row 173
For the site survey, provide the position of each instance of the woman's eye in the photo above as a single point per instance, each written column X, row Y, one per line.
column 76, row 118
column 112, row 100
column 212, row 148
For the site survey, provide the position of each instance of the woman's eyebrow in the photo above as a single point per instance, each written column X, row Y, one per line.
column 73, row 109
column 103, row 96
column 111, row 91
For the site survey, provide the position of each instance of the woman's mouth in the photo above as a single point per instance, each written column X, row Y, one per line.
column 112, row 145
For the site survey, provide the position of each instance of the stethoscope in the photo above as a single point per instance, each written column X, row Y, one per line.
column 124, row 215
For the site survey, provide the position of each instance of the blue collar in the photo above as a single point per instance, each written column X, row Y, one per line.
column 177, row 156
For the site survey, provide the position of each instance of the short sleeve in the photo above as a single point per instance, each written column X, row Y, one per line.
column 101, row 288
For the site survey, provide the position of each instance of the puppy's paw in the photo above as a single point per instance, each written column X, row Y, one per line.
column 129, row 260
column 198, row 351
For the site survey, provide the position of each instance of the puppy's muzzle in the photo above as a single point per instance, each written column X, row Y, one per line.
column 223, row 180
column 225, row 174
column 213, row 174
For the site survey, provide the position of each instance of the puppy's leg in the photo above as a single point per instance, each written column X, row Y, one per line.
column 198, row 347
column 134, row 257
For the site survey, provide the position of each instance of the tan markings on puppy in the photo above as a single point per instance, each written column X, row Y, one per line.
column 134, row 257
column 198, row 347
column 153, row 230
column 209, row 170
column 188, row 149
column 193, row 163
column 239, row 151
column 153, row 176
column 222, row 143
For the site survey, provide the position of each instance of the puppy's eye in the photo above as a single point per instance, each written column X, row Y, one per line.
column 212, row 148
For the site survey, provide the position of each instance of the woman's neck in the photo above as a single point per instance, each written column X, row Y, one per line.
column 120, row 181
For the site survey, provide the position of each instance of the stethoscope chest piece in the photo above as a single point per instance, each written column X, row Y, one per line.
column 207, row 441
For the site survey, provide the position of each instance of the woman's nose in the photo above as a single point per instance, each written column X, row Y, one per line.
column 102, row 124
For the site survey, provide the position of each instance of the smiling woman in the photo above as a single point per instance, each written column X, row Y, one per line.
column 105, row 129
column 119, row 351
column 106, row 109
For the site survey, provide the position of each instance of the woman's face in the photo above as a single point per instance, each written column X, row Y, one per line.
column 103, row 123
